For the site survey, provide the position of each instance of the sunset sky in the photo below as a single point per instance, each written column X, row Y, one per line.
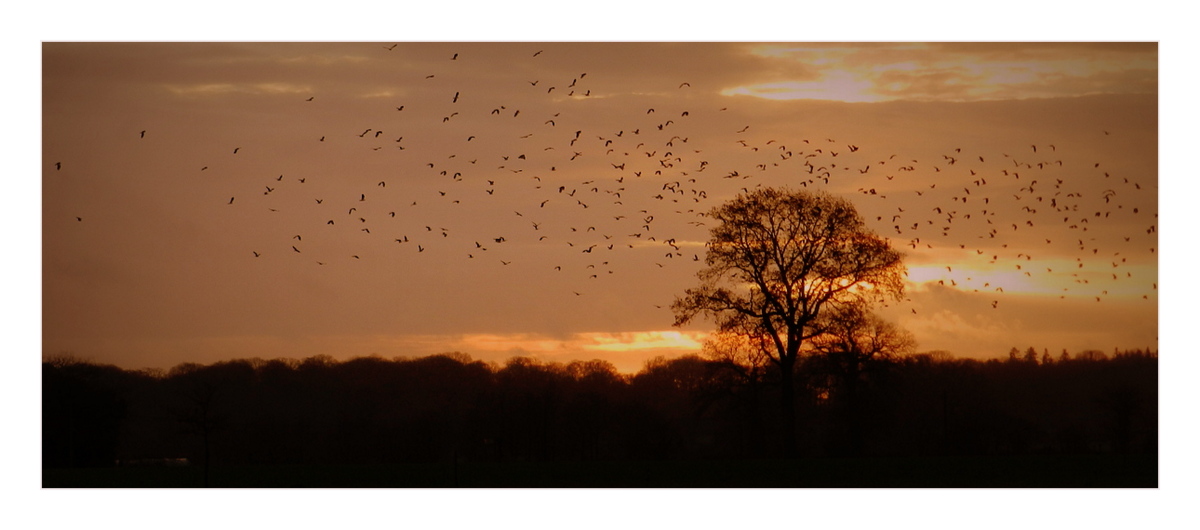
column 547, row 195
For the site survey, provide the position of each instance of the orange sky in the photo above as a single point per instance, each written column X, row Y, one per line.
column 162, row 269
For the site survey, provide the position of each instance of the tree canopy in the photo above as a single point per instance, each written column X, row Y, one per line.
column 779, row 257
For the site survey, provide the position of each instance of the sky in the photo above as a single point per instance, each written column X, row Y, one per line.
column 213, row 200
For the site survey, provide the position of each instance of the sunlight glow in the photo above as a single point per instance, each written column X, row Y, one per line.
column 837, row 86
column 1045, row 277
column 644, row 340
column 520, row 343
column 513, row 342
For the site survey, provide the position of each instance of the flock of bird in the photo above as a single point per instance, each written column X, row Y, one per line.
column 637, row 189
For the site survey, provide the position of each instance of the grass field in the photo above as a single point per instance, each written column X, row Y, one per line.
column 1135, row 471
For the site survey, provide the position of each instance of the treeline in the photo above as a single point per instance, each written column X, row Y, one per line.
column 373, row 410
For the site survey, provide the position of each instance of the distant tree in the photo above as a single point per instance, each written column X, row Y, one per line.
column 940, row 356
column 741, row 364
column 594, row 372
column 199, row 409
column 82, row 412
column 1031, row 356
column 1046, row 358
column 1014, row 355
column 531, row 397
column 1064, row 357
column 317, row 362
column 674, row 394
column 856, row 343
column 744, row 355
column 778, row 258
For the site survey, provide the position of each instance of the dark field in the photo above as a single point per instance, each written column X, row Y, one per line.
column 1085, row 471
column 915, row 422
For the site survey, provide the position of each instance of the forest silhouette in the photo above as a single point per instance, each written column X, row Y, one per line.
column 1080, row 420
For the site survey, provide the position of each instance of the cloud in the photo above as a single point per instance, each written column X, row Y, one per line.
column 215, row 89
column 323, row 59
column 873, row 72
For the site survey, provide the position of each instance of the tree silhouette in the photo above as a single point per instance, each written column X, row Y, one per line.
column 856, row 344
column 776, row 259
column 200, row 410
column 742, row 363
column 1031, row 355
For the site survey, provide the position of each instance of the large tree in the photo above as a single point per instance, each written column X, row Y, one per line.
column 777, row 259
